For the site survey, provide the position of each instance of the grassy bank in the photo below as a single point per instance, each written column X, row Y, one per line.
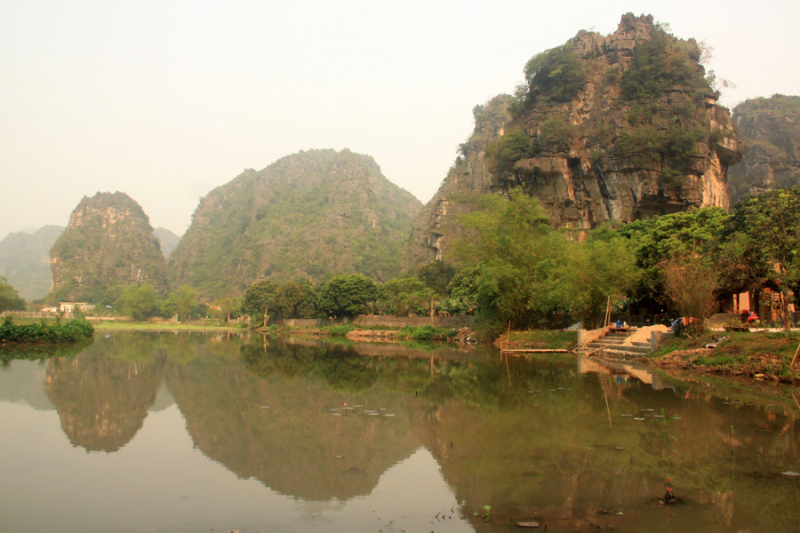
column 756, row 355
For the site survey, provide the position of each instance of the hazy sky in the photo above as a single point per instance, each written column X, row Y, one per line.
column 166, row 99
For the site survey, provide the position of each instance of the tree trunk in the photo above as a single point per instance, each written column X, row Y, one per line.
column 787, row 324
column 266, row 317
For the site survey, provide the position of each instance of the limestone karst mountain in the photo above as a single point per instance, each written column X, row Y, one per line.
column 307, row 216
column 167, row 239
column 615, row 127
column 109, row 241
column 25, row 260
column 771, row 127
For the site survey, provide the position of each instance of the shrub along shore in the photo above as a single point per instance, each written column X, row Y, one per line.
column 44, row 332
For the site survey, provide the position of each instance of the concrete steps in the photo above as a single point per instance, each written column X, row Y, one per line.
column 613, row 341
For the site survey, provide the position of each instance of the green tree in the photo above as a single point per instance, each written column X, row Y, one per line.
column 593, row 271
column 661, row 238
column 761, row 244
column 408, row 296
column 463, row 291
column 347, row 295
column 9, row 299
column 258, row 299
column 138, row 301
column 557, row 73
column 512, row 241
column 295, row 300
column 184, row 302
column 229, row 307
column 437, row 276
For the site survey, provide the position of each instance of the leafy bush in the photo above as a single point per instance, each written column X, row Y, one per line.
column 661, row 63
column 69, row 331
column 556, row 135
column 426, row 333
column 340, row 330
column 502, row 153
column 557, row 73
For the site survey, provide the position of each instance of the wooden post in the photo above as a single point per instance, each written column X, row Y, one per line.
column 508, row 338
column 797, row 351
column 607, row 321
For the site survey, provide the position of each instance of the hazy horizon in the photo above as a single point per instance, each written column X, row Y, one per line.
column 167, row 100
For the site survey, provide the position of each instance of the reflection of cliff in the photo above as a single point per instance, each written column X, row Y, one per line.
column 275, row 422
column 101, row 397
column 553, row 453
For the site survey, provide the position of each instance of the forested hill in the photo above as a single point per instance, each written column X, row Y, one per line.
column 617, row 127
column 308, row 216
column 771, row 127
column 25, row 260
column 108, row 242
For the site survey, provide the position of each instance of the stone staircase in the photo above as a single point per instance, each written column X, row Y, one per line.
column 613, row 341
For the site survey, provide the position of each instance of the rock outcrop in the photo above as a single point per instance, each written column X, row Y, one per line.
column 771, row 127
column 108, row 242
column 308, row 216
column 608, row 128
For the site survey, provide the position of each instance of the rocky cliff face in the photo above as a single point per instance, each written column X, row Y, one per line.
column 771, row 127
column 109, row 241
column 25, row 260
column 608, row 128
column 307, row 216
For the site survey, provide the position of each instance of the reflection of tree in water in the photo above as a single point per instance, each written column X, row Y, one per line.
column 102, row 395
column 34, row 352
column 272, row 418
column 553, row 453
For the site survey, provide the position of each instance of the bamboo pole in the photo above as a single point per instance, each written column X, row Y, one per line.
column 797, row 351
column 608, row 313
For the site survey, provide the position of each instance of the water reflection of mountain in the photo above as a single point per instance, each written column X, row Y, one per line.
column 25, row 384
column 554, row 453
column 102, row 395
column 283, row 421
column 532, row 437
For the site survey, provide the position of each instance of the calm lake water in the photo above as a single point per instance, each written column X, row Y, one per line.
column 141, row 432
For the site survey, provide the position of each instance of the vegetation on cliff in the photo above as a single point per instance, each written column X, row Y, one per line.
column 771, row 128
column 108, row 242
column 308, row 216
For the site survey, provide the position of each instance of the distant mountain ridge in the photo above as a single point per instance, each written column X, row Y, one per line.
column 167, row 239
column 25, row 260
column 308, row 216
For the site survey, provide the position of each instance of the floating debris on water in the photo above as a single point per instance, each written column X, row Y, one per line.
column 265, row 406
column 790, row 474
column 620, row 448
column 336, row 414
column 389, row 414
column 625, row 414
column 638, row 418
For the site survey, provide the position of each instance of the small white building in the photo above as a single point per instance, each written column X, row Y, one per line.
column 73, row 307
